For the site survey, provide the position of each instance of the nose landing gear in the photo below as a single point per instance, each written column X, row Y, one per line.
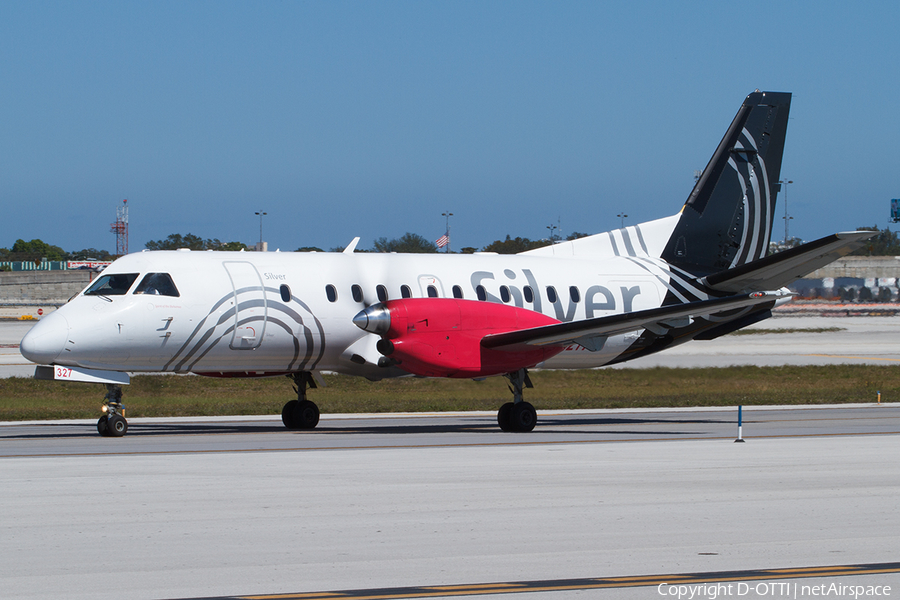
column 113, row 423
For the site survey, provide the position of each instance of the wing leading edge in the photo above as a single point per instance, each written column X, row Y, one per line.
column 590, row 333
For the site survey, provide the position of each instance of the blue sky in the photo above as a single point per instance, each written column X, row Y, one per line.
column 370, row 119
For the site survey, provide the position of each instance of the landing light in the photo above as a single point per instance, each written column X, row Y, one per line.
column 104, row 408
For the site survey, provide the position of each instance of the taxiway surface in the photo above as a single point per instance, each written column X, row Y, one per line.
column 446, row 503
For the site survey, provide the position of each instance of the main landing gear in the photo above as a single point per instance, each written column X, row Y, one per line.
column 517, row 416
column 301, row 413
column 113, row 423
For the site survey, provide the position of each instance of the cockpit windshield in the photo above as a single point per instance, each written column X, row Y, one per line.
column 157, row 284
column 112, row 285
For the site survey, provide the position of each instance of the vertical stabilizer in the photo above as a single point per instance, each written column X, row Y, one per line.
column 727, row 219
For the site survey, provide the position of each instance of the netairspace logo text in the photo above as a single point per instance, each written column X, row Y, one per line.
column 781, row 589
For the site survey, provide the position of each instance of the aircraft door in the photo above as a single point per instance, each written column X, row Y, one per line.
column 250, row 305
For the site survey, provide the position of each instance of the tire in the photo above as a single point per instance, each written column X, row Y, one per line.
column 503, row 416
column 103, row 426
column 306, row 414
column 523, row 417
column 287, row 415
column 117, row 425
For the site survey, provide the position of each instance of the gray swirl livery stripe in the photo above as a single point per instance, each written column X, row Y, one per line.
column 612, row 240
column 227, row 316
column 308, row 331
column 196, row 331
column 640, row 237
column 662, row 280
column 755, row 187
column 688, row 281
column 626, row 237
column 749, row 217
column 764, row 191
column 676, row 285
column 192, row 354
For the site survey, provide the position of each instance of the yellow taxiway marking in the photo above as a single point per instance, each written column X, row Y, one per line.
column 445, row 591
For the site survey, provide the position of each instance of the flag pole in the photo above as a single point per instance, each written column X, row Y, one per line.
column 447, row 214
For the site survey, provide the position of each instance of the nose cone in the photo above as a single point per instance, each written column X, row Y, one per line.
column 375, row 319
column 45, row 341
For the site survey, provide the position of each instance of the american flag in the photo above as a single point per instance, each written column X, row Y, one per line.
column 442, row 241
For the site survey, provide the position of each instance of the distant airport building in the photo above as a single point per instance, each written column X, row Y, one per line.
column 853, row 279
column 52, row 265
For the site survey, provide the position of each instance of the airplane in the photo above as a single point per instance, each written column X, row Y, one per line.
column 585, row 303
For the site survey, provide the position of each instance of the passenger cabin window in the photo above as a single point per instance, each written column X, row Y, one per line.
column 382, row 293
column 551, row 294
column 574, row 294
column 331, row 293
column 457, row 292
column 357, row 293
column 112, row 285
column 481, row 293
column 157, row 284
column 528, row 293
column 405, row 292
column 285, row 293
column 504, row 294
column 432, row 291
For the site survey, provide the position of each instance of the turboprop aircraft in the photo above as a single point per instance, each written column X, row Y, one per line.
column 594, row 301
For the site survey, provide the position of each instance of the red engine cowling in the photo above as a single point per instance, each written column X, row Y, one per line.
column 441, row 337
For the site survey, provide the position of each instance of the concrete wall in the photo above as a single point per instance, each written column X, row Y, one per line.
column 42, row 288
column 860, row 267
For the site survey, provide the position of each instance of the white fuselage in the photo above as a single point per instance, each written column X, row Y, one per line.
column 270, row 312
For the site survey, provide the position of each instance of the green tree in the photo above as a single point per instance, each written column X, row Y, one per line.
column 409, row 243
column 883, row 244
column 229, row 246
column 514, row 246
column 35, row 250
column 90, row 254
column 193, row 242
column 309, row 249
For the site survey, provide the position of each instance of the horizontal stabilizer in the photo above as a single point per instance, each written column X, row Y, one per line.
column 588, row 331
column 778, row 270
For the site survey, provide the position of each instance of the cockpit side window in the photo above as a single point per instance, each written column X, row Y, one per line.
column 157, row 284
column 111, row 285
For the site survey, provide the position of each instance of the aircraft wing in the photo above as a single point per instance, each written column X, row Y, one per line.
column 590, row 332
column 777, row 270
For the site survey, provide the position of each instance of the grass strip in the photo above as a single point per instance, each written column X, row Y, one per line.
column 176, row 395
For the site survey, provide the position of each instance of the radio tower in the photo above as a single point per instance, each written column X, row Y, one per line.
column 120, row 228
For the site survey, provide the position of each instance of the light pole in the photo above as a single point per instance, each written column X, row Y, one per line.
column 784, row 183
column 551, row 228
column 622, row 216
column 260, row 213
column 448, row 214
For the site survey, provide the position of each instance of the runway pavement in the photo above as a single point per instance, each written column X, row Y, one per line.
column 593, row 504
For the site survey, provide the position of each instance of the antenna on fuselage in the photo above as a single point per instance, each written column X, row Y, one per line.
column 351, row 246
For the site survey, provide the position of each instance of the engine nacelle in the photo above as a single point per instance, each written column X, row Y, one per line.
column 441, row 337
